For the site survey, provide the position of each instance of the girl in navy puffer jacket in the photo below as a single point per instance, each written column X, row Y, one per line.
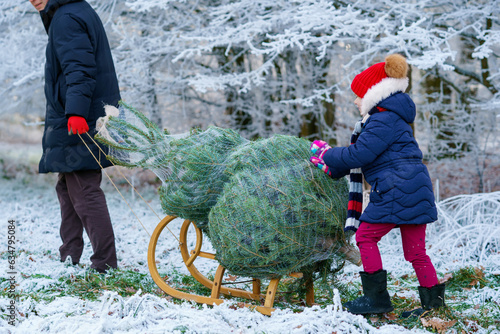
column 384, row 150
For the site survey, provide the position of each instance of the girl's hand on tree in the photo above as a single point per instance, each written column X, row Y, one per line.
column 319, row 148
column 321, row 165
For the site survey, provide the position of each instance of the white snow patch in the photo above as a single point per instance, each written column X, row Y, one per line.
column 32, row 202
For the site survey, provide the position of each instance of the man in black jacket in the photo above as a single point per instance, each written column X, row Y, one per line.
column 80, row 79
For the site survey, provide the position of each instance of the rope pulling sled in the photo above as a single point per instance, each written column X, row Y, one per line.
column 265, row 209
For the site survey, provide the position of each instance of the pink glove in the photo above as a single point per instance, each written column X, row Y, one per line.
column 321, row 165
column 319, row 148
column 77, row 124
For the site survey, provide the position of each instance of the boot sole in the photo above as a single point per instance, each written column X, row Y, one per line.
column 377, row 311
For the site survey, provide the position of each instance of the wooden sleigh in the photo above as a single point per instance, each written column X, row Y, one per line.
column 216, row 286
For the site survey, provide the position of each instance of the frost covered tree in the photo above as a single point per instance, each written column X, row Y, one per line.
column 462, row 96
column 265, row 67
column 22, row 50
column 284, row 66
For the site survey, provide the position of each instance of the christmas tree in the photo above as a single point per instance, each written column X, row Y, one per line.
column 266, row 209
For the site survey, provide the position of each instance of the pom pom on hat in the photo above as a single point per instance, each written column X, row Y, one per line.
column 395, row 66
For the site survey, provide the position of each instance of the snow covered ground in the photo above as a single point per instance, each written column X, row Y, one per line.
column 468, row 234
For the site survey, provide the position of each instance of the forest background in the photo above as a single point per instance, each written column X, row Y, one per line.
column 268, row 67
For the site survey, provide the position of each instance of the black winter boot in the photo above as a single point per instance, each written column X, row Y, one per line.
column 376, row 299
column 429, row 298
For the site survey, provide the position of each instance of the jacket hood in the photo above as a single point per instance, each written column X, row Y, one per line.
column 50, row 9
column 401, row 104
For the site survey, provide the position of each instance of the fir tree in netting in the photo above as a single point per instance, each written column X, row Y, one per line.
column 189, row 165
column 266, row 209
column 195, row 175
column 277, row 214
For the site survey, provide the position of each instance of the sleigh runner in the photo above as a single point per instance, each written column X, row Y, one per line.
column 262, row 302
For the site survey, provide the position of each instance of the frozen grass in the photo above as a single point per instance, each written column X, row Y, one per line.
column 59, row 297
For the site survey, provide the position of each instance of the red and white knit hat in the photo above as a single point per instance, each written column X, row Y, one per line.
column 379, row 81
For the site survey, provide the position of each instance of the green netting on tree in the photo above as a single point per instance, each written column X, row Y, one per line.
column 190, row 165
column 195, row 179
column 266, row 209
column 278, row 213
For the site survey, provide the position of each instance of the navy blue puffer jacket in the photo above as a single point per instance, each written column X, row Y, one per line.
column 80, row 79
column 391, row 161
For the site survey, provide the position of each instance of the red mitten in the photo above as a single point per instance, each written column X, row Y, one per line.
column 77, row 124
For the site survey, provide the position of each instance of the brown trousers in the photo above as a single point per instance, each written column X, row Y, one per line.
column 83, row 206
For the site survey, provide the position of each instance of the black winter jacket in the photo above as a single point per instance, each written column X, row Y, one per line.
column 80, row 79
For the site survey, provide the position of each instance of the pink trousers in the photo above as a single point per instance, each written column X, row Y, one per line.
column 413, row 238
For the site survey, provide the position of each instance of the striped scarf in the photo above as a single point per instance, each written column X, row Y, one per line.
column 355, row 205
